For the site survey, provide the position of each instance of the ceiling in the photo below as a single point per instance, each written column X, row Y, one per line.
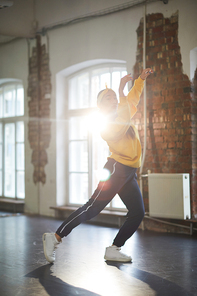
column 23, row 19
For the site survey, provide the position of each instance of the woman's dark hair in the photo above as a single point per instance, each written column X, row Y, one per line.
column 100, row 93
column 130, row 132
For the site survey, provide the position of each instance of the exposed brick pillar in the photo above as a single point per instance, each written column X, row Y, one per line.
column 39, row 90
column 170, row 138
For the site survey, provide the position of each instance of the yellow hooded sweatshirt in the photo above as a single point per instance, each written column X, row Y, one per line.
column 123, row 147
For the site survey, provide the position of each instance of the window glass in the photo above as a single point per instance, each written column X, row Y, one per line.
column 94, row 90
column 72, row 101
column 116, row 81
column 83, row 91
column 20, row 156
column 9, row 100
column 78, row 189
column 124, row 73
column 77, row 128
column 20, row 160
column 20, row 101
column 20, row 131
column 78, row 160
column 9, row 180
column 105, row 80
column 117, row 202
column 79, row 92
column 12, row 150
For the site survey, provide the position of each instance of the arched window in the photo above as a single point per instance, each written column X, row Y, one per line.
column 12, row 157
column 87, row 151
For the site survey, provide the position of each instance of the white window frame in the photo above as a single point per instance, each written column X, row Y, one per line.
column 12, row 119
column 84, row 112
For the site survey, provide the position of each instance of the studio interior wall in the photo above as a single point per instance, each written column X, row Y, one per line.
column 108, row 37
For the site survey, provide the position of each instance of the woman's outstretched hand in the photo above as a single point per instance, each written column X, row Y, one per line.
column 123, row 82
column 146, row 72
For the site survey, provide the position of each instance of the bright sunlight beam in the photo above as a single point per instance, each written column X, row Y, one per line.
column 96, row 122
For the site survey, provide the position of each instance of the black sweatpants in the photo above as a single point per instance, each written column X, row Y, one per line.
column 123, row 181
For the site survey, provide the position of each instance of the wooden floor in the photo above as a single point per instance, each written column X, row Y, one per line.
column 163, row 264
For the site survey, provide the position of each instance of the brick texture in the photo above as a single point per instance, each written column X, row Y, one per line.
column 39, row 90
column 171, row 104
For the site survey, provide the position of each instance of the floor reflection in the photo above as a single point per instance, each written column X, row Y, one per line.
column 54, row 286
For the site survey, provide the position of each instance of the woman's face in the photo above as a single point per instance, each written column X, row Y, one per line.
column 109, row 103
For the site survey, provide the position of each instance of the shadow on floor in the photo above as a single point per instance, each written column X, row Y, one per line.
column 161, row 286
column 54, row 286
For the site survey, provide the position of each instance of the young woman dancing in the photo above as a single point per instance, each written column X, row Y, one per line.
column 124, row 144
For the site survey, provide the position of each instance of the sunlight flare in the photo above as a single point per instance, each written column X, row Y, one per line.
column 96, row 122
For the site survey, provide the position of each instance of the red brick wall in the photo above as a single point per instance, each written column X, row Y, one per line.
column 171, row 147
column 39, row 90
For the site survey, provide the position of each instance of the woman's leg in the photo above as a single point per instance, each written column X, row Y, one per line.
column 132, row 198
column 119, row 175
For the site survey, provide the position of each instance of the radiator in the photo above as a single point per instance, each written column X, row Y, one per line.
column 169, row 196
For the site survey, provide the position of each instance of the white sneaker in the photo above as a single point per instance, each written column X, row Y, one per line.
column 50, row 243
column 113, row 254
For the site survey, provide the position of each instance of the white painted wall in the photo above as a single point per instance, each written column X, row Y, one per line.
column 193, row 62
column 108, row 37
